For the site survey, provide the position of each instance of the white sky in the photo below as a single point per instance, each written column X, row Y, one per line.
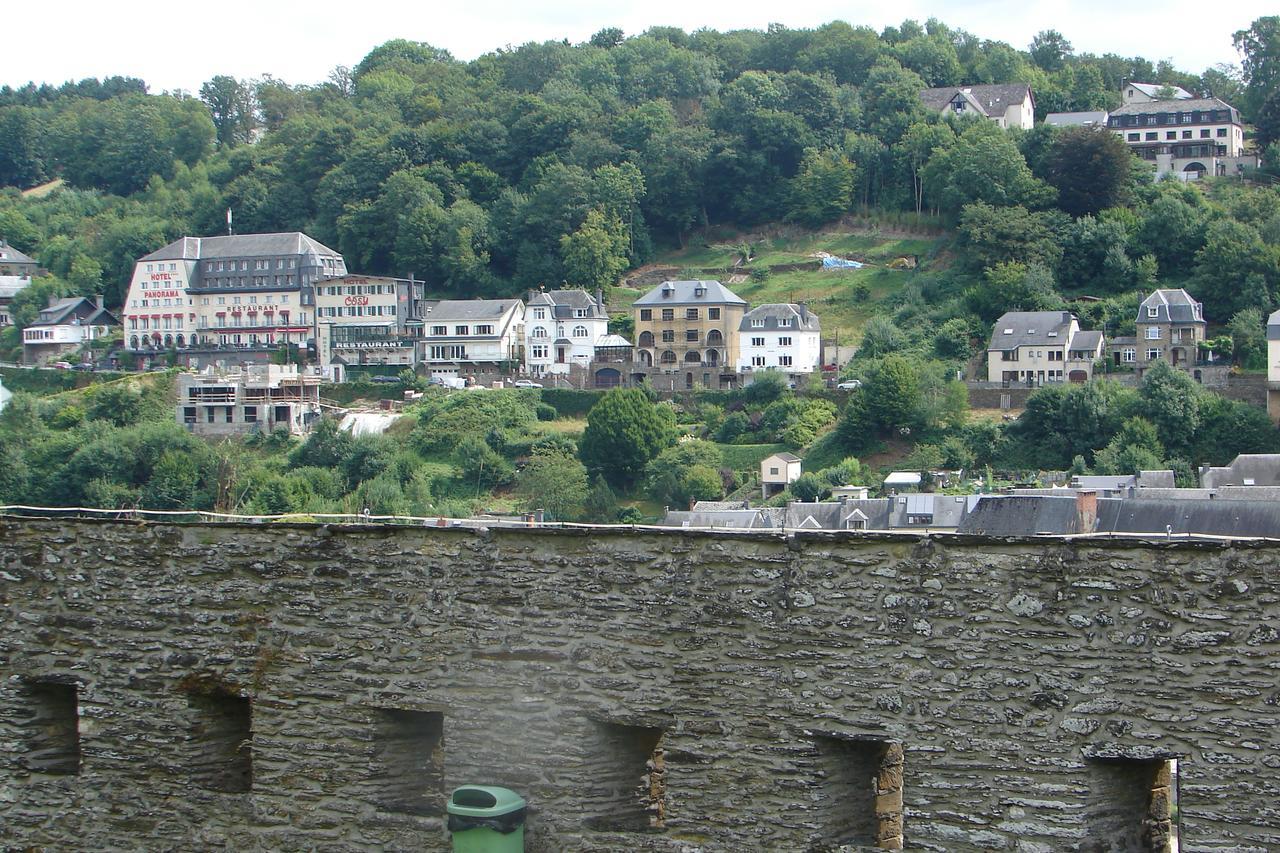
column 180, row 45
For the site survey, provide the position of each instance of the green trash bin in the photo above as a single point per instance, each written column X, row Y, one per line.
column 486, row 819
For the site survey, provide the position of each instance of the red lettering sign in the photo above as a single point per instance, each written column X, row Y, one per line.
column 161, row 276
column 357, row 300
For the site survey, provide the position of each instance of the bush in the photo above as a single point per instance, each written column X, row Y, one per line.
column 569, row 402
column 808, row 487
column 545, row 412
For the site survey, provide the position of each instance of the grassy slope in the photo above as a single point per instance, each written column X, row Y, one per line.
column 829, row 293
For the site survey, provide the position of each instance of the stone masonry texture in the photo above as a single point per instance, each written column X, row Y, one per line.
column 939, row 693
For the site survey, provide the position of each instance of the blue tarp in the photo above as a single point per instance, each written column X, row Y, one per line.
column 840, row 264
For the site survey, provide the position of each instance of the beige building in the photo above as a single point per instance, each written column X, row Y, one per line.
column 1038, row 347
column 690, row 327
column 368, row 320
column 1171, row 326
column 1181, row 135
column 1273, row 366
column 777, row 472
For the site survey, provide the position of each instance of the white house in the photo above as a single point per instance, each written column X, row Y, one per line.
column 1273, row 366
column 1183, row 136
column 1007, row 104
column 460, row 335
column 779, row 336
column 1041, row 346
column 1144, row 93
column 563, row 328
column 64, row 326
column 777, row 472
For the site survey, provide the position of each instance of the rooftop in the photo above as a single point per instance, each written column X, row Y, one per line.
column 239, row 246
column 992, row 98
column 690, row 293
column 1031, row 328
column 801, row 318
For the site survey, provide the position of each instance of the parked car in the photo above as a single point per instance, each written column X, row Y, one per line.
column 62, row 365
column 386, row 379
column 526, row 383
column 850, row 384
column 82, row 365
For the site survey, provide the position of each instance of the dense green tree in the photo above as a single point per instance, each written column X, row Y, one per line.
column 1260, row 46
column 1171, row 404
column 22, row 147
column 596, row 254
column 624, row 431
column 990, row 235
column 1050, row 50
column 1089, row 167
column 232, row 106
column 823, row 189
column 1134, row 448
column 554, row 483
column 984, row 165
column 892, row 390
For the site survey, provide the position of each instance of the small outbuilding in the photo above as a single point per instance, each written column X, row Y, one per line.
column 777, row 472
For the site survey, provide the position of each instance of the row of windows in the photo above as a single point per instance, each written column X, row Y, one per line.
column 136, row 323
column 689, row 314
column 1153, row 136
column 162, row 267
column 358, row 290
column 461, row 331
column 230, row 266
column 1156, row 119
column 782, row 342
column 783, row 323
column 540, row 332
column 158, row 303
column 253, row 300
column 581, row 313
column 357, row 311
column 453, row 352
column 251, row 281
column 758, row 361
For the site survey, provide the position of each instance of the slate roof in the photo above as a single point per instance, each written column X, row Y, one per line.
column 1150, row 90
column 685, row 293
column 239, row 246
column 13, row 256
column 1103, row 482
column 784, row 456
column 1022, row 515
column 564, row 304
column 1080, row 119
column 1172, row 306
column 1273, row 326
column 715, row 506
column 1212, row 518
column 1030, row 328
column 1180, row 105
column 448, row 310
column 1088, row 341
column 1262, row 469
column 838, row 515
column 802, row 319
column 64, row 311
column 992, row 98
column 742, row 519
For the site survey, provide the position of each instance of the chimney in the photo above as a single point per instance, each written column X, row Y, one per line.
column 1086, row 511
column 600, row 298
column 97, row 300
column 804, row 313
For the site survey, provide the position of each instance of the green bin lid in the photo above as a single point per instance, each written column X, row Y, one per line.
column 484, row 801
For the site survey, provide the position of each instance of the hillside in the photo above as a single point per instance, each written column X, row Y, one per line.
column 837, row 296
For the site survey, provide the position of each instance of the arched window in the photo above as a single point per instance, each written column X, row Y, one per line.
column 692, row 357
column 181, row 341
column 133, row 342
column 646, row 339
column 579, row 331
column 539, row 332
column 668, row 357
column 714, row 338
column 168, row 341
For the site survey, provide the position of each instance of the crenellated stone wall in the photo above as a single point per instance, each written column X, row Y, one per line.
column 299, row 687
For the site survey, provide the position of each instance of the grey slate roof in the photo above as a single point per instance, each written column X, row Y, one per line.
column 1212, row 518
column 1273, row 326
column 13, row 256
column 784, row 456
column 448, row 310
column 1087, row 340
column 239, row 246
column 685, row 293
column 710, row 506
column 802, row 319
column 1022, row 515
column 1172, row 306
column 564, row 303
column 992, row 98
column 742, row 519
column 1031, row 328
column 1179, row 105
column 1080, row 119
column 64, row 311
column 1261, row 469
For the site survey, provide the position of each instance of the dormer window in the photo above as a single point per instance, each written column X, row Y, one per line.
column 699, row 291
column 757, row 324
column 784, row 322
column 1153, row 312
column 1008, row 332
column 1053, row 334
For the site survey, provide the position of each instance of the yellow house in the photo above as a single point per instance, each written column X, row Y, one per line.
column 681, row 325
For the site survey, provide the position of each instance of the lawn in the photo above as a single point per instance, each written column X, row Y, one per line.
column 747, row 457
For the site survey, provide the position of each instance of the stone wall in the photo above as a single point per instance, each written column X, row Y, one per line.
column 298, row 687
